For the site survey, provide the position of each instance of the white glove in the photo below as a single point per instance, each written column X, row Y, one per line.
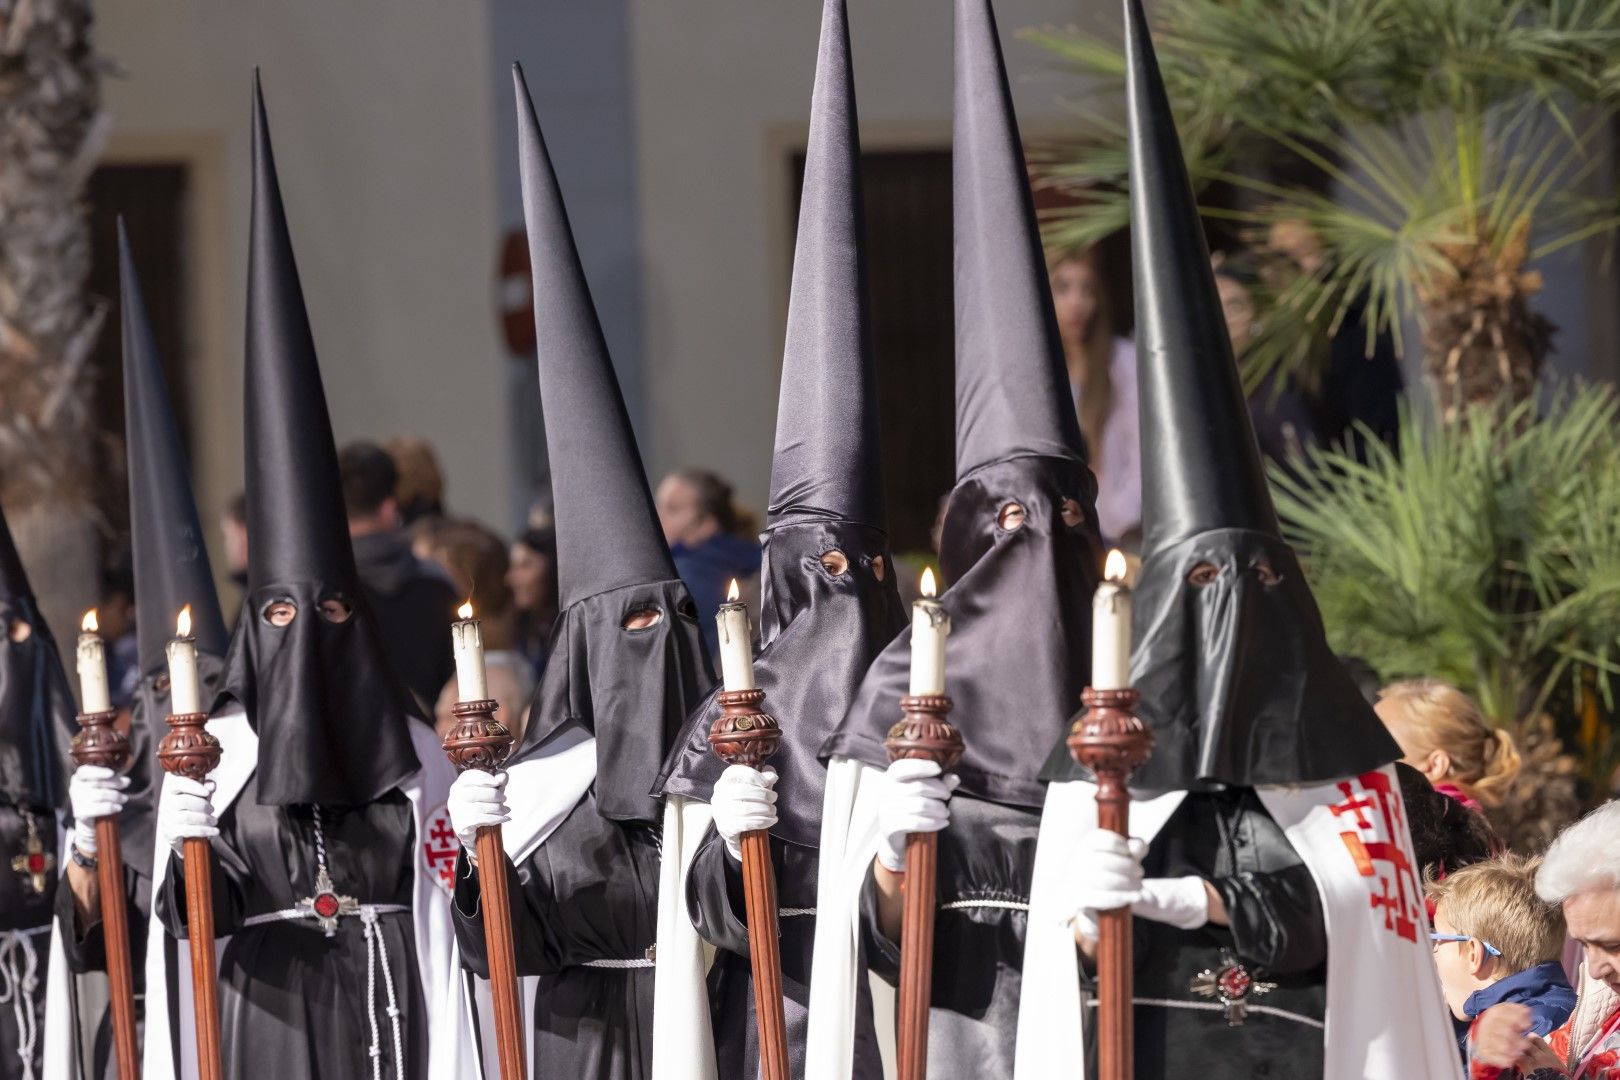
column 94, row 792
column 477, row 799
column 914, row 798
column 186, row 811
column 1107, row 874
column 1182, row 902
column 744, row 799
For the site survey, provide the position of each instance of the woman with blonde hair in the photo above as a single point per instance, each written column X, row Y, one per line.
column 1444, row 736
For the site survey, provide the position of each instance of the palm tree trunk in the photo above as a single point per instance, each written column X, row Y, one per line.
column 1481, row 339
column 52, row 129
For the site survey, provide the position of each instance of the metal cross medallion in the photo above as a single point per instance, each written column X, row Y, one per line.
column 326, row 905
column 35, row 862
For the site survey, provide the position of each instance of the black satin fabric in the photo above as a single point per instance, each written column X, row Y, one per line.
column 290, row 997
column 1019, row 651
column 330, row 716
column 986, row 859
column 632, row 689
column 1277, row 931
column 590, row 892
column 37, row 714
column 715, row 901
column 820, row 632
column 1237, row 680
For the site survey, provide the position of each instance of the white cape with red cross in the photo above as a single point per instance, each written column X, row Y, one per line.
column 1385, row 1015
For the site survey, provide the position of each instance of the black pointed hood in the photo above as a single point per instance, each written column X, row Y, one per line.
column 330, row 715
column 37, row 714
column 631, row 687
column 827, row 464
column 170, row 555
column 1020, row 647
column 819, row 629
column 1229, row 650
column 166, row 533
column 1012, row 387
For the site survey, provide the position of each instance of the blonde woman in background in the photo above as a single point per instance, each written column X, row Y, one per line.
column 1444, row 736
column 1102, row 374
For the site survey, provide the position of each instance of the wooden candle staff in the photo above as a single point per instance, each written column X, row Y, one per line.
column 1110, row 740
column 923, row 734
column 743, row 735
column 479, row 741
column 189, row 750
column 100, row 743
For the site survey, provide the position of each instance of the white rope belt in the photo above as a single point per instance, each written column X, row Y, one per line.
column 618, row 965
column 19, row 980
column 794, row 912
column 1210, row 1006
column 376, row 955
column 998, row 905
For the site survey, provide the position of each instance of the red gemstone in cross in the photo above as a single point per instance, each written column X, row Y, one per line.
column 326, row 905
column 36, row 862
column 1235, row 983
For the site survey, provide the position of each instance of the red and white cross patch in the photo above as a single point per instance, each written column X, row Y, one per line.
column 440, row 848
column 1374, row 832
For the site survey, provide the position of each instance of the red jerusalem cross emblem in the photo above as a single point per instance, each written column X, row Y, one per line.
column 440, row 849
column 1374, row 826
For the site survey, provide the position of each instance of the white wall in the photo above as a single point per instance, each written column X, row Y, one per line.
column 722, row 93
column 380, row 115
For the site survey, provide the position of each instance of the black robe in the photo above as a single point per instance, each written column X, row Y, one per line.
column 23, row 909
column 293, row 1003
column 589, row 893
column 715, row 901
column 1277, row 932
column 986, row 859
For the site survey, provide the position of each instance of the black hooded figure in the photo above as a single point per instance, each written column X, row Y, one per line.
column 1019, row 546
column 828, row 602
column 36, row 723
column 1229, row 653
column 338, row 795
column 627, row 665
column 171, row 572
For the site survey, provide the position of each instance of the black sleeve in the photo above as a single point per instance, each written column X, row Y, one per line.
column 227, row 877
column 714, row 896
column 85, row 945
column 882, row 952
column 1275, row 918
column 536, row 949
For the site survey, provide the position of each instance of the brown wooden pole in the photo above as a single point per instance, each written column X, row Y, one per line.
column 1112, row 742
column 479, row 741
column 743, row 735
column 189, row 750
column 99, row 742
column 923, row 734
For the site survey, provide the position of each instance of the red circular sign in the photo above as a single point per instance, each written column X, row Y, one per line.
column 326, row 905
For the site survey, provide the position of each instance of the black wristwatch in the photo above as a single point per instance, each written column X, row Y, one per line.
column 80, row 859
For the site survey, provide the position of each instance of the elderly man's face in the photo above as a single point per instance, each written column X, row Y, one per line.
column 1593, row 918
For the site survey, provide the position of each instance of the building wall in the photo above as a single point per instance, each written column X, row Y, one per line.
column 380, row 112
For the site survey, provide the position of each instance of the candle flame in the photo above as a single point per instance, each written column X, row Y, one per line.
column 733, row 592
column 182, row 624
column 465, row 610
column 1115, row 568
column 89, row 624
column 929, row 588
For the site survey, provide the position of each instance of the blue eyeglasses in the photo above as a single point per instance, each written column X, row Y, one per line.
column 1439, row 939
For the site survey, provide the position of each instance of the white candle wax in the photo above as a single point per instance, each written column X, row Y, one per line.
column 736, row 647
column 472, row 682
column 1111, row 637
column 92, row 657
column 185, row 688
column 930, row 625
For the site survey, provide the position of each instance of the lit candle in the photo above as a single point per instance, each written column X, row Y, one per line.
column 472, row 683
column 736, row 642
column 185, row 688
column 92, row 656
column 1111, row 627
column 930, row 625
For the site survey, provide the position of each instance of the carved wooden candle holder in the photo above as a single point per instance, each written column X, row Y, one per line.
column 1109, row 739
column 745, row 735
column 189, row 750
column 922, row 734
column 479, row 741
column 99, row 742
